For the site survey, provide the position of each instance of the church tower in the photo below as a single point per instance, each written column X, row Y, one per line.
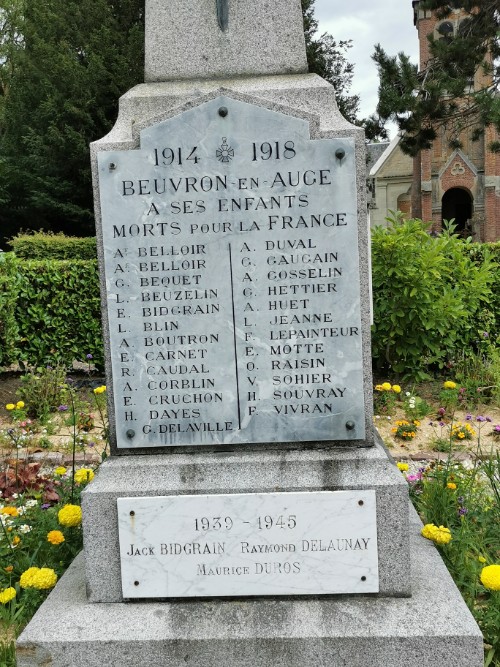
column 464, row 183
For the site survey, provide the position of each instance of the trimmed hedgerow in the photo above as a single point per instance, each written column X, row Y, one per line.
column 9, row 330
column 56, row 312
column 42, row 245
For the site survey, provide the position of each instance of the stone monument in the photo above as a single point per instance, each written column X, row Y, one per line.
column 249, row 513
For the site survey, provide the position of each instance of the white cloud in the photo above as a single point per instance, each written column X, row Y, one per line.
column 369, row 22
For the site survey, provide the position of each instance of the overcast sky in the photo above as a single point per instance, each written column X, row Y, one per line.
column 368, row 22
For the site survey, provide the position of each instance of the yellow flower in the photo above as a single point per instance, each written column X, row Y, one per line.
column 439, row 535
column 84, row 475
column 70, row 516
column 55, row 537
column 451, row 485
column 490, row 577
column 100, row 390
column 45, row 578
column 7, row 594
column 16, row 540
column 9, row 568
column 481, row 559
column 379, row 387
column 27, row 577
column 396, row 388
column 442, row 535
column 61, row 470
column 449, row 384
column 428, row 531
column 402, row 466
column 20, row 405
column 386, row 386
column 10, row 511
column 10, row 406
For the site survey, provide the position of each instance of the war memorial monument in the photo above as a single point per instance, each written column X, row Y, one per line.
column 248, row 514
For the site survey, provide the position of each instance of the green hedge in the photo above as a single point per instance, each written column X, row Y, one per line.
column 41, row 245
column 52, row 312
column 433, row 298
column 9, row 329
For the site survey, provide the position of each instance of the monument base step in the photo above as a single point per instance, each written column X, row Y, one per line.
column 433, row 628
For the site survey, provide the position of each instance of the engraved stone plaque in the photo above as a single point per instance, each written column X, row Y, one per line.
column 231, row 266
column 249, row 544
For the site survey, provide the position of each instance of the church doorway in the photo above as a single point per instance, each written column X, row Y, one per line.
column 457, row 204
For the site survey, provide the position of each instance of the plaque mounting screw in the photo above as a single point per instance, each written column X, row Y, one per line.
column 130, row 434
column 363, row 578
column 340, row 153
column 350, row 426
column 360, row 503
column 112, row 166
column 136, row 583
column 223, row 112
column 132, row 513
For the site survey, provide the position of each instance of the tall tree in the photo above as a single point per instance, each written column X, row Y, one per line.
column 441, row 95
column 77, row 58
column 328, row 58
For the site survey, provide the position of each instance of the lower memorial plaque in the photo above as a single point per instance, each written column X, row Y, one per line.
column 314, row 543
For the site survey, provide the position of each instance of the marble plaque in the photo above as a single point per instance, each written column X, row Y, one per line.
column 249, row 544
column 232, row 273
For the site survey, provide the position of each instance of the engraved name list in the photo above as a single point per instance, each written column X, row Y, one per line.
column 231, row 264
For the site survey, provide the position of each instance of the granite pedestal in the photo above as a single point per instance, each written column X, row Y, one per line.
column 433, row 628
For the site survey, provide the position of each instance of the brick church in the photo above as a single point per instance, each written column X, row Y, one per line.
column 440, row 183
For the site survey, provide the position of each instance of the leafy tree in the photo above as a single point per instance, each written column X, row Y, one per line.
column 327, row 57
column 75, row 59
column 441, row 97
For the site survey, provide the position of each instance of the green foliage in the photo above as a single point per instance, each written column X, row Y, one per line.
column 327, row 58
column 58, row 312
column 428, row 297
column 467, row 501
column 74, row 60
column 43, row 391
column 53, row 313
column 441, row 96
column 42, row 245
column 9, row 330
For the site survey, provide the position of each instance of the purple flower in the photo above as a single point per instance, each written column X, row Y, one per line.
column 431, row 423
column 442, row 424
column 45, row 506
column 414, row 478
column 91, row 444
column 485, row 334
column 62, row 408
column 488, row 419
column 441, row 411
column 480, row 418
column 496, row 428
column 468, row 417
column 89, row 356
column 462, row 511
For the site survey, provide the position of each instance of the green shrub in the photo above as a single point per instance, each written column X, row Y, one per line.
column 477, row 252
column 45, row 245
column 43, row 391
column 58, row 312
column 9, row 330
column 430, row 298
